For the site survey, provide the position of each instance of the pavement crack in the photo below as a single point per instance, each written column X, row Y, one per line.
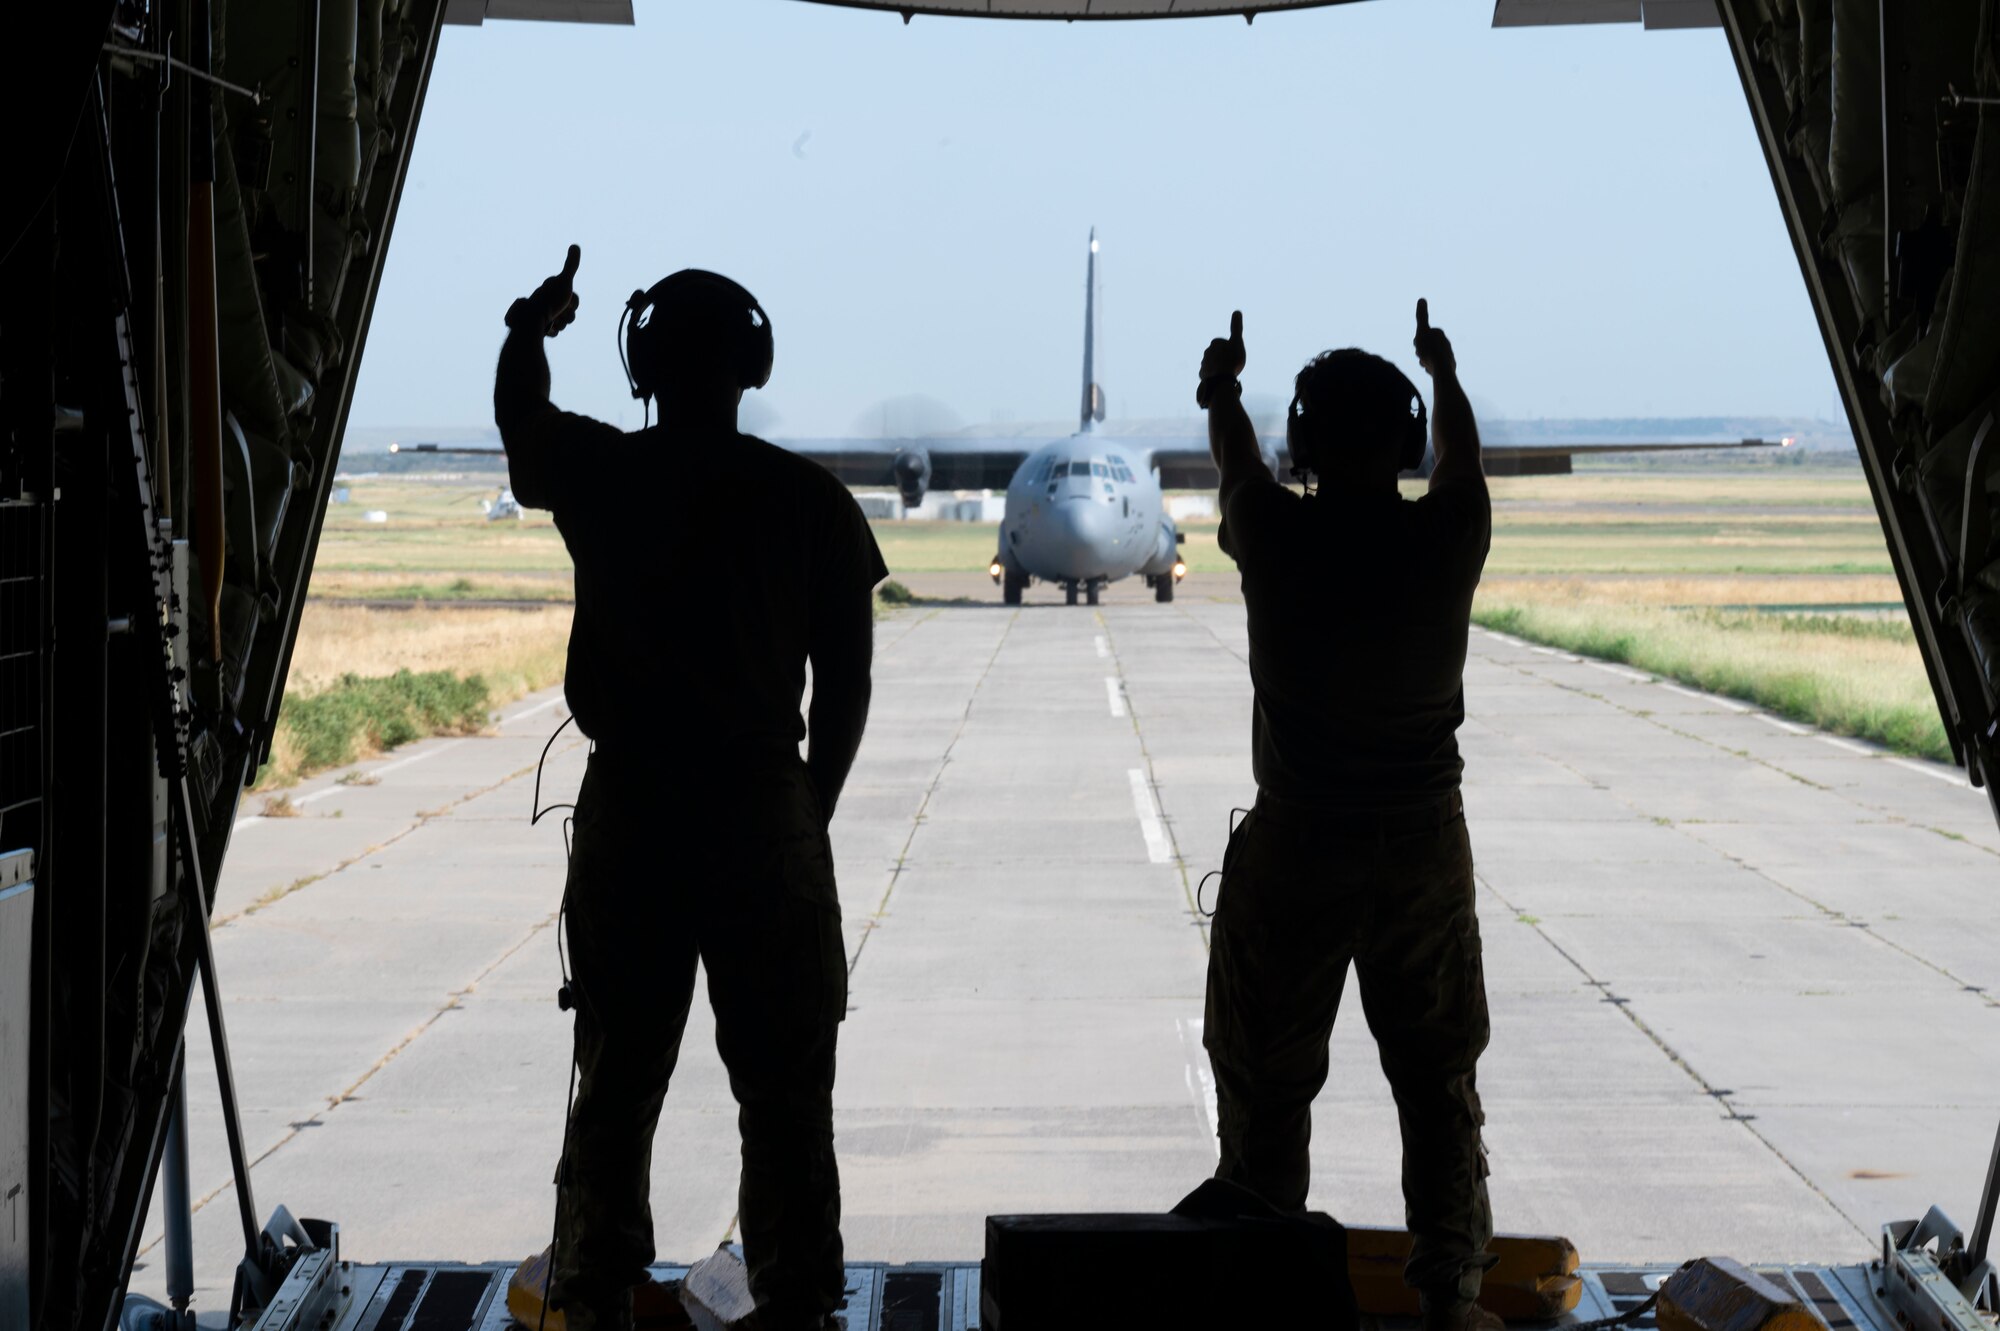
column 1188, row 889
column 1627, row 1009
column 452, row 1001
column 1688, row 827
column 424, row 816
column 874, row 920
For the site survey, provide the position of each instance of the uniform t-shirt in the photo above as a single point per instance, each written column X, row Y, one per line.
column 1358, row 613
column 701, row 565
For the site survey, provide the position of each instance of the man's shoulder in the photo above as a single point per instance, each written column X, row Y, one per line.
column 804, row 475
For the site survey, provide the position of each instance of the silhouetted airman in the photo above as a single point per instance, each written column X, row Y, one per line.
column 699, row 833
column 1356, row 851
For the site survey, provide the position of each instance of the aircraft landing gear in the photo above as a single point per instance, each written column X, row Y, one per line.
column 1163, row 588
column 1069, row 593
column 1011, row 587
column 1090, row 592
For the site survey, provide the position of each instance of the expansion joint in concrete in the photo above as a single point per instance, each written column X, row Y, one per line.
column 874, row 921
column 1199, row 919
column 1687, row 830
column 1720, row 1095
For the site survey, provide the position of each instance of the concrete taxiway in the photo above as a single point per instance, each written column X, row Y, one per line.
column 1740, row 971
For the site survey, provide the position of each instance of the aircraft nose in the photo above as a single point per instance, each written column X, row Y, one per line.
column 1079, row 538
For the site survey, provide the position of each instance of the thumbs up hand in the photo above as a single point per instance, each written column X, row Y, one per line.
column 552, row 306
column 1222, row 362
column 1434, row 351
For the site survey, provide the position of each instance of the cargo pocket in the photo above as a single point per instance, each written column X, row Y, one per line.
column 812, row 916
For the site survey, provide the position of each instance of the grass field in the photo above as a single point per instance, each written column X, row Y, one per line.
column 1772, row 585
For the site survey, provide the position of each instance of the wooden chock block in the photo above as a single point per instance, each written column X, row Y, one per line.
column 655, row 1307
column 1721, row 1294
column 524, row 1294
column 1534, row 1279
column 716, row 1293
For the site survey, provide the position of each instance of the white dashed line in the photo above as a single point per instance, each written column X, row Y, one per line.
column 1103, row 647
column 413, row 761
column 1503, row 638
column 1158, row 849
column 1777, row 724
column 1200, row 1079
column 527, row 712
column 1115, row 694
column 1846, row 745
column 1935, row 773
column 251, row 821
column 1620, row 671
column 1708, row 698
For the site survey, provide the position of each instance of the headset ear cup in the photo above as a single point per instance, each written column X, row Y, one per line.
column 756, row 354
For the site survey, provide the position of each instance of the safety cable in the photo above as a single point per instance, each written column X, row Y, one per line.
column 1201, row 888
column 565, row 999
column 172, row 62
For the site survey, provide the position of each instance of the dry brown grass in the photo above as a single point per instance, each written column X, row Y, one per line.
column 1721, row 589
column 408, row 585
column 515, row 651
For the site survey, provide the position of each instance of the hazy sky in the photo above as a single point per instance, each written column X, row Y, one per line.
column 1585, row 208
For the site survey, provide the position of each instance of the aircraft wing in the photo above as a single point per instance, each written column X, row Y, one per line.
column 1184, row 464
column 912, row 466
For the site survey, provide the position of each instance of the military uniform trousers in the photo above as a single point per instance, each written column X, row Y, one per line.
column 735, row 870
column 1304, row 893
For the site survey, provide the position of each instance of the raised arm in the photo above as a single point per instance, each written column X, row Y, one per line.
column 1454, row 432
column 521, row 381
column 1232, row 440
column 842, row 652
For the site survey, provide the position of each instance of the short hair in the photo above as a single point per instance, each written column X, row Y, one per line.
column 1355, row 397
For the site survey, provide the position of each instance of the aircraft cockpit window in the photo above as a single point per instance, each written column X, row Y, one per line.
column 1098, row 469
column 1116, row 461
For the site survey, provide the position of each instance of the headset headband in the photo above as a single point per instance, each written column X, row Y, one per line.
column 645, row 321
column 1409, row 447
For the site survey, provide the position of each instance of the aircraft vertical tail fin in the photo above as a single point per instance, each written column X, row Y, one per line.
column 1093, row 393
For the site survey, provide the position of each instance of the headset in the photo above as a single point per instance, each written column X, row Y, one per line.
column 1304, row 435
column 694, row 307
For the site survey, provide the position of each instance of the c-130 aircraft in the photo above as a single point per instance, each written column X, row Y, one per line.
column 1089, row 509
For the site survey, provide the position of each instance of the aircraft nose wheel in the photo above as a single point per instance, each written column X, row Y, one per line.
column 1090, row 594
column 1069, row 594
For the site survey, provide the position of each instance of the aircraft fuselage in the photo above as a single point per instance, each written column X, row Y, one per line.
column 1086, row 510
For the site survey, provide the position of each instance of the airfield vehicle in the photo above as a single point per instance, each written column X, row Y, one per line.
column 191, row 244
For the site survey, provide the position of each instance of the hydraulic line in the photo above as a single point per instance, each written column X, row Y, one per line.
column 204, row 360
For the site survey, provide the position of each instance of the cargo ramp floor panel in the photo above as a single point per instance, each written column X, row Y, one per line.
column 944, row 1296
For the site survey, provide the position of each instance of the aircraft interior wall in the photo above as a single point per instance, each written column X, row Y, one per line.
column 187, row 273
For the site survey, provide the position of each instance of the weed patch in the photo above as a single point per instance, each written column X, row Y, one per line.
column 1845, row 675
column 356, row 716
